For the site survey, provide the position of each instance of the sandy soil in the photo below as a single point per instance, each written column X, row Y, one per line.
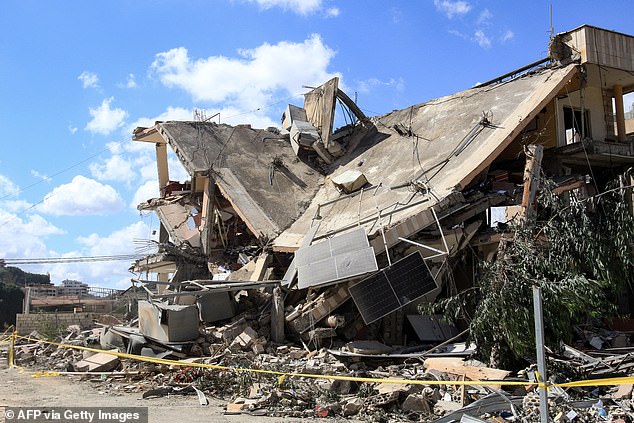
column 20, row 389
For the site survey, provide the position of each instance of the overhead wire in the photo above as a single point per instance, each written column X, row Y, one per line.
column 49, row 195
column 56, row 173
column 83, row 259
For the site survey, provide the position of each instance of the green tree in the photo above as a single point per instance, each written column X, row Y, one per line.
column 578, row 251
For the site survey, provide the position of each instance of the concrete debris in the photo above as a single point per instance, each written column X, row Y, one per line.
column 99, row 362
column 260, row 252
column 240, row 344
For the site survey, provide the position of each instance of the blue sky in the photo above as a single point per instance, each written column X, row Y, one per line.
column 78, row 76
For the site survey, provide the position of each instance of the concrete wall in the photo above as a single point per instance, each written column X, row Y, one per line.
column 44, row 322
column 604, row 47
column 593, row 103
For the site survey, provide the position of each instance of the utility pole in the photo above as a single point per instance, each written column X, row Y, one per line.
column 541, row 359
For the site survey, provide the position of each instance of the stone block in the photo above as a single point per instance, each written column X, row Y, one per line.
column 100, row 362
column 416, row 403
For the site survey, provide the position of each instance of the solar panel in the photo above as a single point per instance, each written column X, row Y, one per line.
column 335, row 259
column 393, row 287
column 333, row 269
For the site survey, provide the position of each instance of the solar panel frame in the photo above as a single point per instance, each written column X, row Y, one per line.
column 393, row 287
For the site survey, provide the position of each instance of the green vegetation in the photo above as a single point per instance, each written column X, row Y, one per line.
column 578, row 251
column 17, row 277
column 10, row 304
column 11, row 296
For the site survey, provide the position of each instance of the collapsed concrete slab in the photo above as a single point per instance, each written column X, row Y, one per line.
column 428, row 180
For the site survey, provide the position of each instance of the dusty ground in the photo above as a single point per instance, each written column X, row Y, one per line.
column 20, row 389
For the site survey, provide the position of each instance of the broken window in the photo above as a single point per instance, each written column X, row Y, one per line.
column 576, row 124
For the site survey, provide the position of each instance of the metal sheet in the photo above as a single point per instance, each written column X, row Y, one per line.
column 351, row 241
column 339, row 267
column 335, row 259
column 393, row 287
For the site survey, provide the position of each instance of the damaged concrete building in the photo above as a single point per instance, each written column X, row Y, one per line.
column 324, row 233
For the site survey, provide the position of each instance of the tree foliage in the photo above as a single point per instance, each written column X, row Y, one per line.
column 10, row 304
column 15, row 276
column 578, row 251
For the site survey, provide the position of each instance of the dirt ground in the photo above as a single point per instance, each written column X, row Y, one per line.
column 20, row 389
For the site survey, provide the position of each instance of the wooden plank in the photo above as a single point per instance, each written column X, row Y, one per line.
column 261, row 264
column 534, row 154
column 456, row 366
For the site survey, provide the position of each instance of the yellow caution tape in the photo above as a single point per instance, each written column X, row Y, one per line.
column 45, row 374
column 599, row 382
column 283, row 375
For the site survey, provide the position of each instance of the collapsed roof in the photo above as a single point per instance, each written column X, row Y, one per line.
column 257, row 170
column 421, row 157
column 426, row 173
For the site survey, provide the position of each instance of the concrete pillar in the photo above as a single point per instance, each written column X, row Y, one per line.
column 26, row 308
column 161, row 164
column 163, row 179
column 620, row 112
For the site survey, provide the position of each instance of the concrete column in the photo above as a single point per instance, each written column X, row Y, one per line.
column 26, row 308
column 620, row 112
column 161, row 164
column 163, row 179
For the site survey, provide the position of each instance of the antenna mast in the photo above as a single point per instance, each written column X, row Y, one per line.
column 552, row 30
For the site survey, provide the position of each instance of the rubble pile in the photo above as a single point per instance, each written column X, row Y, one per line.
column 311, row 250
column 244, row 383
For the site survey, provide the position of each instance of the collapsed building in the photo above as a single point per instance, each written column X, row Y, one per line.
column 321, row 233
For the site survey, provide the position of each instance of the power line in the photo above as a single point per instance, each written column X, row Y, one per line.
column 57, row 173
column 84, row 259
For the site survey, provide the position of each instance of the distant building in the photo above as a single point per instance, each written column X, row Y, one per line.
column 72, row 287
column 44, row 290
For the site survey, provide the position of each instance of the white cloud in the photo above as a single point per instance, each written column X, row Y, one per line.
column 8, row 187
column 172, row 113
column 250, row 81
column 367, row 85
column 508, row 35
column 82, row 196
column 32, row 232
column 333, row 12
column 109, row 274
column 149, row 189
column 482, row 40
column 457, row 34
column 72, row 129
column 122, row 241
column 115, row 168
column 41, row 176
column 15, row 206
column 300, row 7
column 104, row 119
column 452, row 8
column 89, row 79
column 131, row 81
column 397, row 15
column 118, row 167
column 485, row 17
